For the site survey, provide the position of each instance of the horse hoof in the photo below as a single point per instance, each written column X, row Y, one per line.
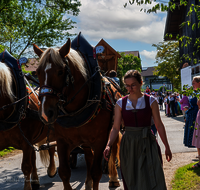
column 35, row 186
column 51, row 176
column 113, row 184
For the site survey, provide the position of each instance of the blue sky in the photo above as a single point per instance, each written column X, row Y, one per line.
column 125, row 29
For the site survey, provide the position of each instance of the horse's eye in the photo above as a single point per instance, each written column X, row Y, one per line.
column 60, row 72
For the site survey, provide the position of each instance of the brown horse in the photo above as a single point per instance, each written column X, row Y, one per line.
column 31, row 127
column 55, row 68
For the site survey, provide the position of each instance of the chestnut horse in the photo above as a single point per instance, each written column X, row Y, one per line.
column 52, row 74
column 31, row 127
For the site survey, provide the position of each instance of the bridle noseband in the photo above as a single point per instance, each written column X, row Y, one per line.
column 46, row 90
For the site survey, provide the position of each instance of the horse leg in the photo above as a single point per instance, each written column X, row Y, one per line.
column 89, row 161
column 64, row 170
column 34, row 177
column 113, row 175
column 47, row 159
column 52, row 170
column 97, row 167
column 27, row 166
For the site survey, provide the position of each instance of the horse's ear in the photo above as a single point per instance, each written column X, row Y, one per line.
column 65, row 49
column 37, row 50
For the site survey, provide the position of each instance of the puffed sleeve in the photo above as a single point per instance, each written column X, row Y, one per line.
column 151, row 99
column 119, row 102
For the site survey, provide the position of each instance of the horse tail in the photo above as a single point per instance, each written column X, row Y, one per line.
column 44, row 154
column 113, row 175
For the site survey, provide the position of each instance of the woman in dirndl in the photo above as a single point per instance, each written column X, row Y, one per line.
column 140, row 162
column 196, row 133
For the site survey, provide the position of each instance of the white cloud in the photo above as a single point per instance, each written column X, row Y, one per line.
column 148, row 55
column 110, row 20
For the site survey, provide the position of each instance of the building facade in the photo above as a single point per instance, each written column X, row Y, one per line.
column 154, row 82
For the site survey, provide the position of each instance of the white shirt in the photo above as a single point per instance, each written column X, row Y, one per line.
column 140, row 103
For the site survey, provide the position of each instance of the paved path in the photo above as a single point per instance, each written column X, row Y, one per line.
column 11, row 176
column 175, row 132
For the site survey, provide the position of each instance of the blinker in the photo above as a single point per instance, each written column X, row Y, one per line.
column 45, row 90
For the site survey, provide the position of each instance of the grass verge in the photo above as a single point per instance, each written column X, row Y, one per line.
column 6, row 151
column 186, row 177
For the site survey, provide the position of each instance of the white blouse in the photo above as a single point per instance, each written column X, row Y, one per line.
column 140, row 103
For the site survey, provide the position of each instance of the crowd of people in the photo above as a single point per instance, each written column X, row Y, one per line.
column 171, row 101
column 188, row 106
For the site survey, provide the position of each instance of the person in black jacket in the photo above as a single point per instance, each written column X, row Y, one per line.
column 172, row 104
column 160, row 102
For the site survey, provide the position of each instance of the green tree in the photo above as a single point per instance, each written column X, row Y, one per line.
column 43, row 22
column 168, row 61
column 125, row 63
column 172, row 5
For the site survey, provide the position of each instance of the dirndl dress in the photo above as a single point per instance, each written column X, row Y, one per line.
column 196, row 134
column 140, row 163
column 189, row 130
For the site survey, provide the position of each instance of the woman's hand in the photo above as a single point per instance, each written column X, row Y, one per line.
column 106, row 153
column 168, row 154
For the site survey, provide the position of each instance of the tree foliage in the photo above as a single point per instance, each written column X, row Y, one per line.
column 125, row 63
column 43, row 22
column 172, row 5
column 168, row 61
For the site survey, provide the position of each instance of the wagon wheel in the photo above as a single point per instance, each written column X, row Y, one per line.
column 73, row 160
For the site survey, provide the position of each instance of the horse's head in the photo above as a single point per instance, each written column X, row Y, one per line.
column 60, row 72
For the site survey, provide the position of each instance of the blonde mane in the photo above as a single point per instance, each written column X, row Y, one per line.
column 75, row 57
column 6, row 82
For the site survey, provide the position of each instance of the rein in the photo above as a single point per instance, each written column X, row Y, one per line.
column 8, row 105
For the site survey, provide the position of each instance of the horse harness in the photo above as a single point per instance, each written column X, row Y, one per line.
column 21, row 102
column 100, row 91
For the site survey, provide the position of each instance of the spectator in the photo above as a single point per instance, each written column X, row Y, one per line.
column 153, row 93
column 168, row 106
column 196, row 134
column 165, row 103
column 148, row 91
column 175, row 104
column 191, row 114
column 184, row 102
column 172, row 104
column 185, row 110
column 113, row 75
column 160, row 102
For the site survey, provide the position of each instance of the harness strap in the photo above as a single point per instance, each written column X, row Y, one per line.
column 8, row 105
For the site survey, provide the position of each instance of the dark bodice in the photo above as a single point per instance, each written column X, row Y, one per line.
column 137, row 117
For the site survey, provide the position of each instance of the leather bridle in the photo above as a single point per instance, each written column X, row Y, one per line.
column 47, row 90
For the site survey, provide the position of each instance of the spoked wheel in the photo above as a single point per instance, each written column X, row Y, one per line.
column 73, row 160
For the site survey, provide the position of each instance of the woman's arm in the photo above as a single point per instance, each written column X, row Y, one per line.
column 161, row 129
column 114, row 132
